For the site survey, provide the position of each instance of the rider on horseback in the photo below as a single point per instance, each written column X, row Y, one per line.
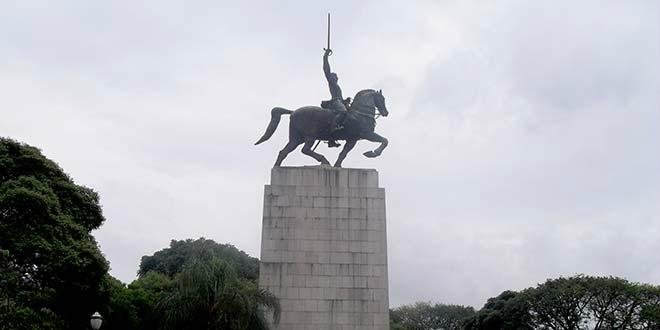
column 337, row 104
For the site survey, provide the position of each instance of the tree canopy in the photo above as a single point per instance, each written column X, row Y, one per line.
column 192, row 284
column 50, row 265
column 208, row 294
column 134, row 306
column 426, row 316
column 508, row 311
column 574, row 303
column 171, row 260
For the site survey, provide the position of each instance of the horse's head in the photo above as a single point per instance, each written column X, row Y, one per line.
column 379, row 101
column 367, row 100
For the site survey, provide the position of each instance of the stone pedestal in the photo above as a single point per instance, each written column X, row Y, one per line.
column 324, row 249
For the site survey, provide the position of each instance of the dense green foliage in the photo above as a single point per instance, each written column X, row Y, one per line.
column 170, row 261
column 508, row 311
column 50, row 265
column 193, row 284
column 135, row 306
column 209, row 295
column 574, row 303
column 424, row 315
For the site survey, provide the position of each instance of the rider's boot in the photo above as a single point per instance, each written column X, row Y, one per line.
column 337, row 124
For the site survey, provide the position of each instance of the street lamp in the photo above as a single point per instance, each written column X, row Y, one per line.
column 96, row 320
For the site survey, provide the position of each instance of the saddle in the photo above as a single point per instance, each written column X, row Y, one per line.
column 328, row 105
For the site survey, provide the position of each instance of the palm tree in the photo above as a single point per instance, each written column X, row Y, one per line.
column 209, row 295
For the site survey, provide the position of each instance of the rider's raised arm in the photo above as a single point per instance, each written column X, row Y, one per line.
column 326, row 66
column 335, row 90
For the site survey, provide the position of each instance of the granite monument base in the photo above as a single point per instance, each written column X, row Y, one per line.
column 324, row 249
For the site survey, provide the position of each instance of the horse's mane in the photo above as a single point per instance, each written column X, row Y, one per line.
column 363, row 92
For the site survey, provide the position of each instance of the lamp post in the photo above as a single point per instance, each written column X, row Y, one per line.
column 96, row 320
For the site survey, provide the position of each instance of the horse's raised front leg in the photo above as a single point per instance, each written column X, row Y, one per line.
column 307, row 150
column 347, row 147
column 373, row 137
column 292, row 145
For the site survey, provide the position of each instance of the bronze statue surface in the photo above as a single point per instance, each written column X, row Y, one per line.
column 336, row 119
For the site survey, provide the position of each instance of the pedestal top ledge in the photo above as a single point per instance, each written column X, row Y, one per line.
column 324, row 176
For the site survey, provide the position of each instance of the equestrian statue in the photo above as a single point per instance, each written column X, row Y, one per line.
column 336, row 119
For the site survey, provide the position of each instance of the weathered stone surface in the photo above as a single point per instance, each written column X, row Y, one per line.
column 324, row 249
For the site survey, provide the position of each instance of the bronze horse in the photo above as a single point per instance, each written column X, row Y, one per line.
column 312, row 123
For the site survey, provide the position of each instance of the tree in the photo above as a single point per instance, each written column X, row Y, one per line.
column 204, row 291
column 425, row 316
column 118, row 310
column 134, row 306
column 209, row 295
column 146, row 293
column 586, row 302
column 619, row 304
column 170, row 261
column 50, row 264
column 573, row 303
column 508, row 311
column 560, row 303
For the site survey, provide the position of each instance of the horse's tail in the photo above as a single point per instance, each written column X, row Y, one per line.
column 275, row 115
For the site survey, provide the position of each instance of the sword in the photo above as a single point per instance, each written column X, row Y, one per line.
column 328, row 47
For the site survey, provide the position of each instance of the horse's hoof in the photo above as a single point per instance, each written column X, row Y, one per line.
column 370, row 154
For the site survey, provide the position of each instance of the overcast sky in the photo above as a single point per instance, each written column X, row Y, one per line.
column 524, row 135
